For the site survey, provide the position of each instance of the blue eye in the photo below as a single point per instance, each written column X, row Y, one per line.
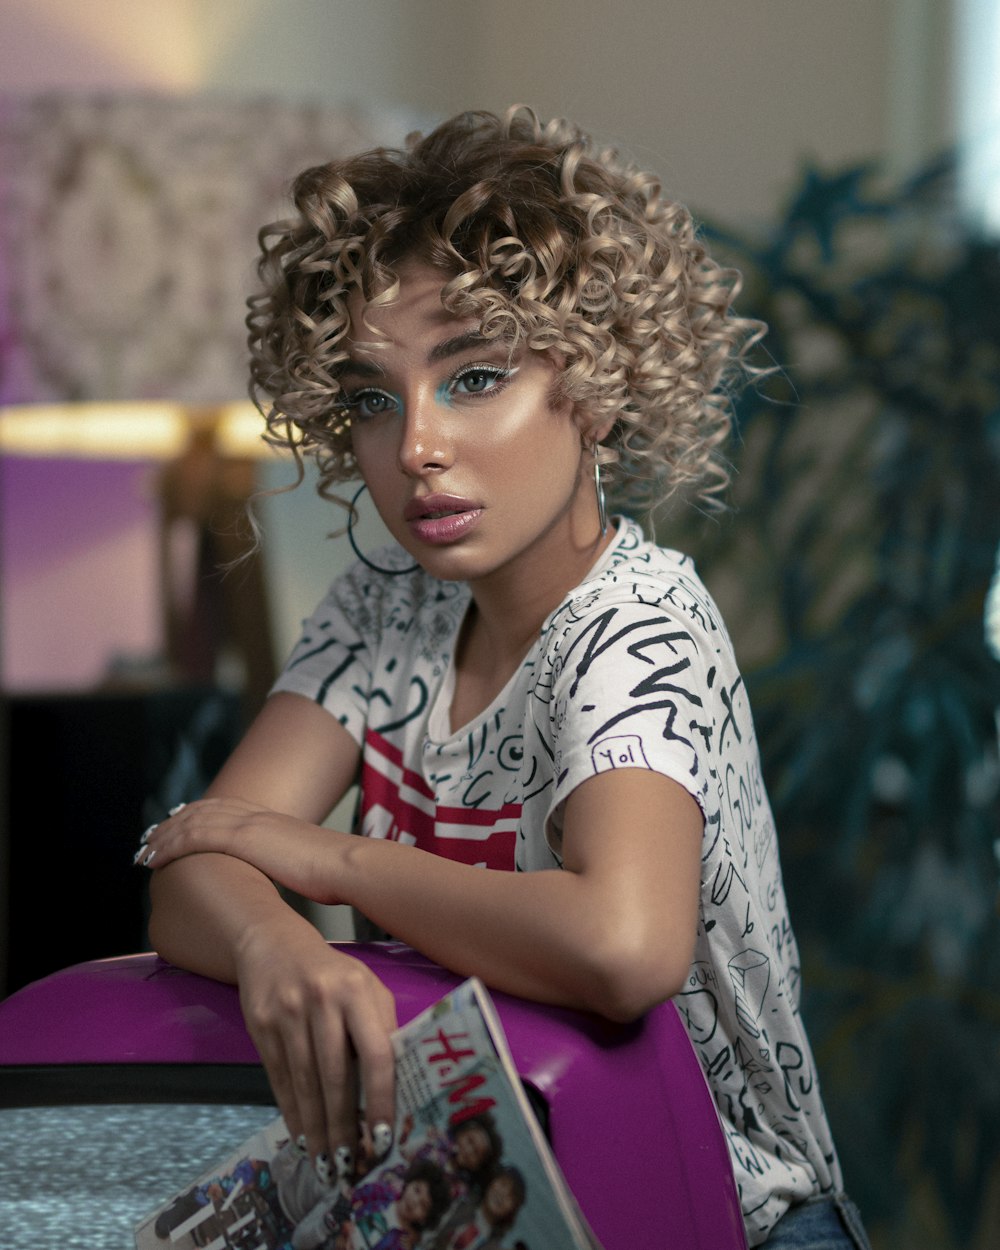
column 368, row 403
column 479, row 380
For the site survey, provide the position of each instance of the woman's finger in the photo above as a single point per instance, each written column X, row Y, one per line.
column 279, row 1074
column 336, row 1096
column 351, row 1038
column 370, row 1028
column 207, row 824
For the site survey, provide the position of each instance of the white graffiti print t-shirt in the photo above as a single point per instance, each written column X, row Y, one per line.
column 634, row 669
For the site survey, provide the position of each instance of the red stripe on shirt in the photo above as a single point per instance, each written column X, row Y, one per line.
column 397, row 803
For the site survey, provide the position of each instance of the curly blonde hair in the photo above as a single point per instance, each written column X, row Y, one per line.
column 549, row 244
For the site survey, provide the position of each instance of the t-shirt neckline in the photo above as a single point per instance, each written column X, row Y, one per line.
column 439, row 718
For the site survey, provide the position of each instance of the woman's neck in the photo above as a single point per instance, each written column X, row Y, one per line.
column 512, row 604
column 505, row 619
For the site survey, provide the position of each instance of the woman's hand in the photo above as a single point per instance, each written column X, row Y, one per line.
column 320, row 1019
column 321, row 1022
column 286, row 849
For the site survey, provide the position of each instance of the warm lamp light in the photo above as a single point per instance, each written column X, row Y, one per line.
column 153, row 430
column 206, row 480
column 127, row 234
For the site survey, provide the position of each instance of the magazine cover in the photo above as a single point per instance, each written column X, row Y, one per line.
column 470, row 1168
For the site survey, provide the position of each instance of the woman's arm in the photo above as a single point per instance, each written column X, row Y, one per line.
column 295, row 759
column 308, row 1009
column 613, row 931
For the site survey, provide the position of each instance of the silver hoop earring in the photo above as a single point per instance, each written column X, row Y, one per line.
column 602, row 505
column 376, row 568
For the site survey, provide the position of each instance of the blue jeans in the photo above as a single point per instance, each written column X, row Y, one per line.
column 820, row 1224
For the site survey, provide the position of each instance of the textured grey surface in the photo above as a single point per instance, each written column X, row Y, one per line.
column 84, row 1176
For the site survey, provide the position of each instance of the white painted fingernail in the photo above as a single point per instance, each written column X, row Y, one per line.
column 149, row 858
column 343, row 1157
column 323, row 1168
column 300, row 1145
column 145, row 837
column 138, row 855
column 381, row 1139
column 178, row 808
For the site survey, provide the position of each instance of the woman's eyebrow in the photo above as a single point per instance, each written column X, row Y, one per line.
column 460, row 343
column 361, row 368
column 441, row 351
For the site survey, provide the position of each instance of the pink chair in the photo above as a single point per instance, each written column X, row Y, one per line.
column 629, row 1114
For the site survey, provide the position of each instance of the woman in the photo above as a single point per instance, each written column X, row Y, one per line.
column 560, row 781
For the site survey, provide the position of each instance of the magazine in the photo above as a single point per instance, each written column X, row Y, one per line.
column 470, row 1168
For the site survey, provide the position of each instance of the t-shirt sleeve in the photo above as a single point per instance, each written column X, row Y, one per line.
column 634, row 675
column 332, row 661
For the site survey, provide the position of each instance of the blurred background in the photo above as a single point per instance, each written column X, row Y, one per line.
column 845, row 157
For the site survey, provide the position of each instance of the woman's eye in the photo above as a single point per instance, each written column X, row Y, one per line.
column 478, row 381
column 368, row 404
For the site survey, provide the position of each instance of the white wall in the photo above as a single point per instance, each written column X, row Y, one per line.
column 724, row 98
column 721, row 97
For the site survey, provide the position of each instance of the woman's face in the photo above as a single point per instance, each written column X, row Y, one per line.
column 473, row 464
column 501, row 1200
column 414, row 1204
column 472, row 1147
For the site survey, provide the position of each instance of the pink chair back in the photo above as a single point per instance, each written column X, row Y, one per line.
column 631, row 1119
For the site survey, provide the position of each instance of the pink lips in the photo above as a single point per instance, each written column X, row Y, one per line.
column 440, row 519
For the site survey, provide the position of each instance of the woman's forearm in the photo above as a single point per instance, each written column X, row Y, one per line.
column 204, row 908
column 533, row 935
column 541, row 935
column 555, row 936
column 613, row 930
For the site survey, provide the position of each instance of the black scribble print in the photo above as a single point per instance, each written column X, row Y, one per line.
column 667, row 732
column 700, row 1011
column 751, row 1064
column 727, row 699
column 595, row 640
column 336, row 674
column 620, row 751
column 750, row 972
column 485, row 795
column 304, row 656
column 725, row 876
column 510, row 753
column 414, row 713
column 478, row 743
column 798, row 1076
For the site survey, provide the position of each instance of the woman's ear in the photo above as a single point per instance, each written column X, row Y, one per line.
column 593, row 430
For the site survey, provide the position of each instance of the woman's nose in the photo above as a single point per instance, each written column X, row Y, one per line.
column 424, row 441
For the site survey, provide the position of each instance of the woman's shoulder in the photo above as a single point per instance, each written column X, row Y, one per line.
column 387, row 588
column 639, row 580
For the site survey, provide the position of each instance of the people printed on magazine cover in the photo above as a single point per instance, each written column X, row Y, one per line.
column 484, row 1223
column 316, row 1201
column 447, row 1191
column 240, row 1206
column 468, row 1152
column 393, row 1210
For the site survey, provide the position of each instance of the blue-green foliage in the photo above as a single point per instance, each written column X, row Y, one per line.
column 866, row 527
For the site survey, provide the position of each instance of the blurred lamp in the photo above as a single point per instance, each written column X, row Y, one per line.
column 128, row 231
column 205, row 479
